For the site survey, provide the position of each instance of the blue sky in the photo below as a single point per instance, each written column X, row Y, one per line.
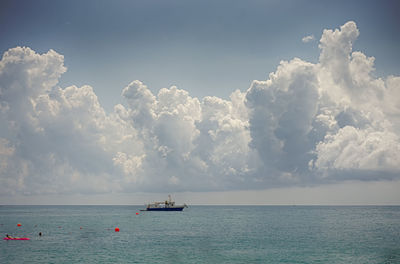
column 204, row 47
column 214, row 101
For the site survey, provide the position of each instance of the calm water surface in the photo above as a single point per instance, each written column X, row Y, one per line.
column 202, row 234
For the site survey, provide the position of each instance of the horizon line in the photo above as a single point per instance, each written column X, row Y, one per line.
column 293, row 205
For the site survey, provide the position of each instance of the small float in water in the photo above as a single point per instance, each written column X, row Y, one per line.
column 167, row 205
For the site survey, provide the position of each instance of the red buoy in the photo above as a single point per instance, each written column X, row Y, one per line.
column 19, row 224
column 137, row 213
column 116, row 229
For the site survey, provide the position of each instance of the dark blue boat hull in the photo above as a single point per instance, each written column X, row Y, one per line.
column 165, row 209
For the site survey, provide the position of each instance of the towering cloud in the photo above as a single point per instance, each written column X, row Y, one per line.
column 307, row 124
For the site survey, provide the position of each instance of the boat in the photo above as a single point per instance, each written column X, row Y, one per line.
column 16, row 238
column 167, row 205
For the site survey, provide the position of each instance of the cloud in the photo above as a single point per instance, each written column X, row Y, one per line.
column 353, row 148
column 307, row 124
column 318, row 122
column 307, row 39
column 281, row 120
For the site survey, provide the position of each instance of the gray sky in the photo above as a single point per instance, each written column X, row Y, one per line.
column 122, row 101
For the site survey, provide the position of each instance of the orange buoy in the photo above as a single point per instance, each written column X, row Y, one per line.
column 19, row 224
column 116, row 229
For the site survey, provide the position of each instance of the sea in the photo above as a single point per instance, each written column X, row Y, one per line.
column 201, row 234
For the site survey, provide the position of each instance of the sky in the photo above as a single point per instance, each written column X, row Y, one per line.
column 216, row 102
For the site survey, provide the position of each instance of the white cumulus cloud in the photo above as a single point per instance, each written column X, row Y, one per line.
column 308, row 38
column 308, row 123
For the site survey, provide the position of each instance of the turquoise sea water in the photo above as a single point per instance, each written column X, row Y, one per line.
column 202, row 234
